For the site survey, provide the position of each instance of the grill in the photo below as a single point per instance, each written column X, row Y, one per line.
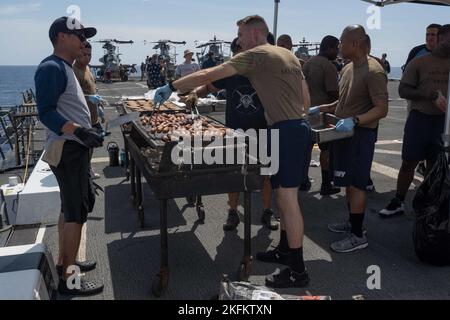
column 149, row 155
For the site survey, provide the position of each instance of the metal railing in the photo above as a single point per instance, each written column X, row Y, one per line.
column 17, row 132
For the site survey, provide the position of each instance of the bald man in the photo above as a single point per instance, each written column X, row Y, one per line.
column 363, row 102
column 285, row 41
column 276, row 75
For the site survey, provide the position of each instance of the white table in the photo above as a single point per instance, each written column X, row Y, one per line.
column 39, row 202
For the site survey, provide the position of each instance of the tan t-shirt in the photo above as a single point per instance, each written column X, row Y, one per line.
column 322, row 78
column 427, row 73
column 276, row 75
column 87, row 82
column 361, row 88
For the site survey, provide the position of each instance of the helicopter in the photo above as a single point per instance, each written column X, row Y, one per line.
column 167, row 55
column 111, row 67
column 304, row 49
column 216, row 46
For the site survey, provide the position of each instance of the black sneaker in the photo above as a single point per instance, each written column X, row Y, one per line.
column 232, row 221
column 371, row 188
column 86, row 266
column 273, row 256
column 287, row 279
column 306, row 186
column 268, row 220
column 191, row 201
column 395, row 208
column 87, row 288
column 329, row 190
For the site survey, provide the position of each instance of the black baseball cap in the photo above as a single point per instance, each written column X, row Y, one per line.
column 70, row 26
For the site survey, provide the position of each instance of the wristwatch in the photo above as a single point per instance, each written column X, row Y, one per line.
column 356, row 121
column 171, row 86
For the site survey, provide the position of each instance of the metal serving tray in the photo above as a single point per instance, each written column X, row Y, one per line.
column 324, row 128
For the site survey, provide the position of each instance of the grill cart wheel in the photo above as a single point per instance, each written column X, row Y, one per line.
column 160, row 283
column 245, row 271
column 157, row 288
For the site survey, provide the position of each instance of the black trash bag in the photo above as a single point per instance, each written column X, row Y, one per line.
column 432, row 205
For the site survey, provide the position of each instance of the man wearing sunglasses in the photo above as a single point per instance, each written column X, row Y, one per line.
column 63, row 110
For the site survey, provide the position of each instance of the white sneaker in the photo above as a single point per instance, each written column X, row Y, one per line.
column 395, row 208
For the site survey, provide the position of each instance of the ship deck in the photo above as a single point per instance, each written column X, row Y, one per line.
column 128, row 257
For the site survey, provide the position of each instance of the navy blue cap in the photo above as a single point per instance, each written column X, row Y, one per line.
column 70, row 26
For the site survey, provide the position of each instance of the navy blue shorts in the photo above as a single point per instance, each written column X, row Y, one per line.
column 353, row 157
column 325, row 146
column 295, row 150
column 423, row 137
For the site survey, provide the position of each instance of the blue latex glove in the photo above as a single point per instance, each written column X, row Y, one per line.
column 162, row 94
column 345, row 125
column 314, row 111
column 95, row 99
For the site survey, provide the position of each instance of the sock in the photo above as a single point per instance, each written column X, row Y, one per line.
column 284, row 244
column 399, row 197
column 357, row 224
column 326, row 178
column 295, row 261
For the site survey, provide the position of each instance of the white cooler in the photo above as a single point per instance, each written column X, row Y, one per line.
column 27, row 273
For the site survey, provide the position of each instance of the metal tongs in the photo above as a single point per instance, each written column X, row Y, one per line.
column 196, row 114
column 156, row 108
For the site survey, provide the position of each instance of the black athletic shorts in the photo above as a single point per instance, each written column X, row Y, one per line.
column 75, row 183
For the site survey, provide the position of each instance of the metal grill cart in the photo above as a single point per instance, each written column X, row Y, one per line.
column 150, row 156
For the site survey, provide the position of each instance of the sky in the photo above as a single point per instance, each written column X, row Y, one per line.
column 24, row 24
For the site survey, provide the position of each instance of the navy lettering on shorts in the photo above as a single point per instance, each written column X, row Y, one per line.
column 353, row 157
column 423, row 137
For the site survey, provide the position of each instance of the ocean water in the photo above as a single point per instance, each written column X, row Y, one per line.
column 396, row 73
column 13, row 81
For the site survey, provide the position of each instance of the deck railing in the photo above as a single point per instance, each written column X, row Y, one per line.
column 17, row 132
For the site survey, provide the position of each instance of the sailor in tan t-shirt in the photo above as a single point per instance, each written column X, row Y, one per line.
column 275, row 74
column 363, row 101
column 425, row 84
column 323, row 82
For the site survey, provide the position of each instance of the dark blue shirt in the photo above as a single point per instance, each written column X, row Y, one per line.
column 416, row 52
column 60, row 98
column 50, row 82
column 210, row 63
column 154, row 75
column 244, row 108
